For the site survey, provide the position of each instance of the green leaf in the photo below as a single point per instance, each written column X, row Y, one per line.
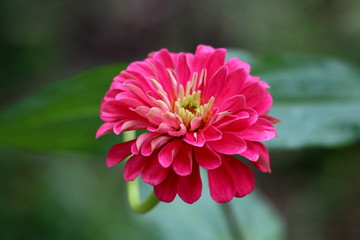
column 63, row 116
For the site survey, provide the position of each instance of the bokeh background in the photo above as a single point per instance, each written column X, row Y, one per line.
column 55, row 186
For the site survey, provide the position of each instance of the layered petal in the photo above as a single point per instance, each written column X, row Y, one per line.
column 228, row 144
column 221, row 184
column 118, row 152
column 190, row 186
column 166, row 191
column 153, row 173
column 242, row 175
column 197, row 110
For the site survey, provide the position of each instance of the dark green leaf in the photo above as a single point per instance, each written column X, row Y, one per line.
column 62, row 116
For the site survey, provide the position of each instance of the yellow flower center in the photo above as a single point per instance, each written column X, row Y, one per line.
column 189, row 106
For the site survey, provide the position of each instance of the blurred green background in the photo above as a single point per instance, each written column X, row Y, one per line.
column 54, row 183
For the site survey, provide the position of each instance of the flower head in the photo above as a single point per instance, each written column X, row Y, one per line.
column 198, row 110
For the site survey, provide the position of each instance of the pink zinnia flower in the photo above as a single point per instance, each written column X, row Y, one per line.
column 198, row 110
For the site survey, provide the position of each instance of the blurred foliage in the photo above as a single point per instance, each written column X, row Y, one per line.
column 62, row 116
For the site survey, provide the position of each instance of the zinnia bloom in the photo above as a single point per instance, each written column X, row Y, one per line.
column 198, row 110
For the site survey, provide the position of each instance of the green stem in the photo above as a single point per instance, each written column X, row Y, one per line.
column 129, row 135
column 134, row 198
column 231, row 221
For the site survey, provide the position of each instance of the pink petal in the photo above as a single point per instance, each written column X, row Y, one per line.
column 142, row 111
column 134, row 166
column 182, row 163
column 104, row 129
column 263, row 163
column 183, row 70
column 207, row 158
column 195, row 138
column 130, row 102
column 138, row 78
column 190, row 187
column 167, row 154
column 201, row 57
column 149, row 146
column 272, row 119
column 242, row 175
column 161, row 75
column 155, row 115
column 141, row 67
column 172, row 119
column 262, row 130
column 232, row 86
column 252, row 152
column 264, row 106
column 216, row 61
column 235, row 63
column 143, row 138
column 153, row 172
column 229, row 144
column 124, row 125
column 162, row 128
column 166, row 191
column 181, row 132
column 118, row 152
column 212, row 133
column 254, row 94
column 216, row 83
column 114, row 110
column 195, row 123
column 221, row 184
column 243, row 119
column 138, row 92
column 163, row 56
column 233, row 104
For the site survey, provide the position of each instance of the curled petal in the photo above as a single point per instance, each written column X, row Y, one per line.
column 272, row 119
column 149, row 146
column 252, row 151
column 134, row 166
column 144, row 138
column 104, row 129
column 195, row 138
column 167, row 154
column 118, row 152
column 129, row 125
column 263, row 163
